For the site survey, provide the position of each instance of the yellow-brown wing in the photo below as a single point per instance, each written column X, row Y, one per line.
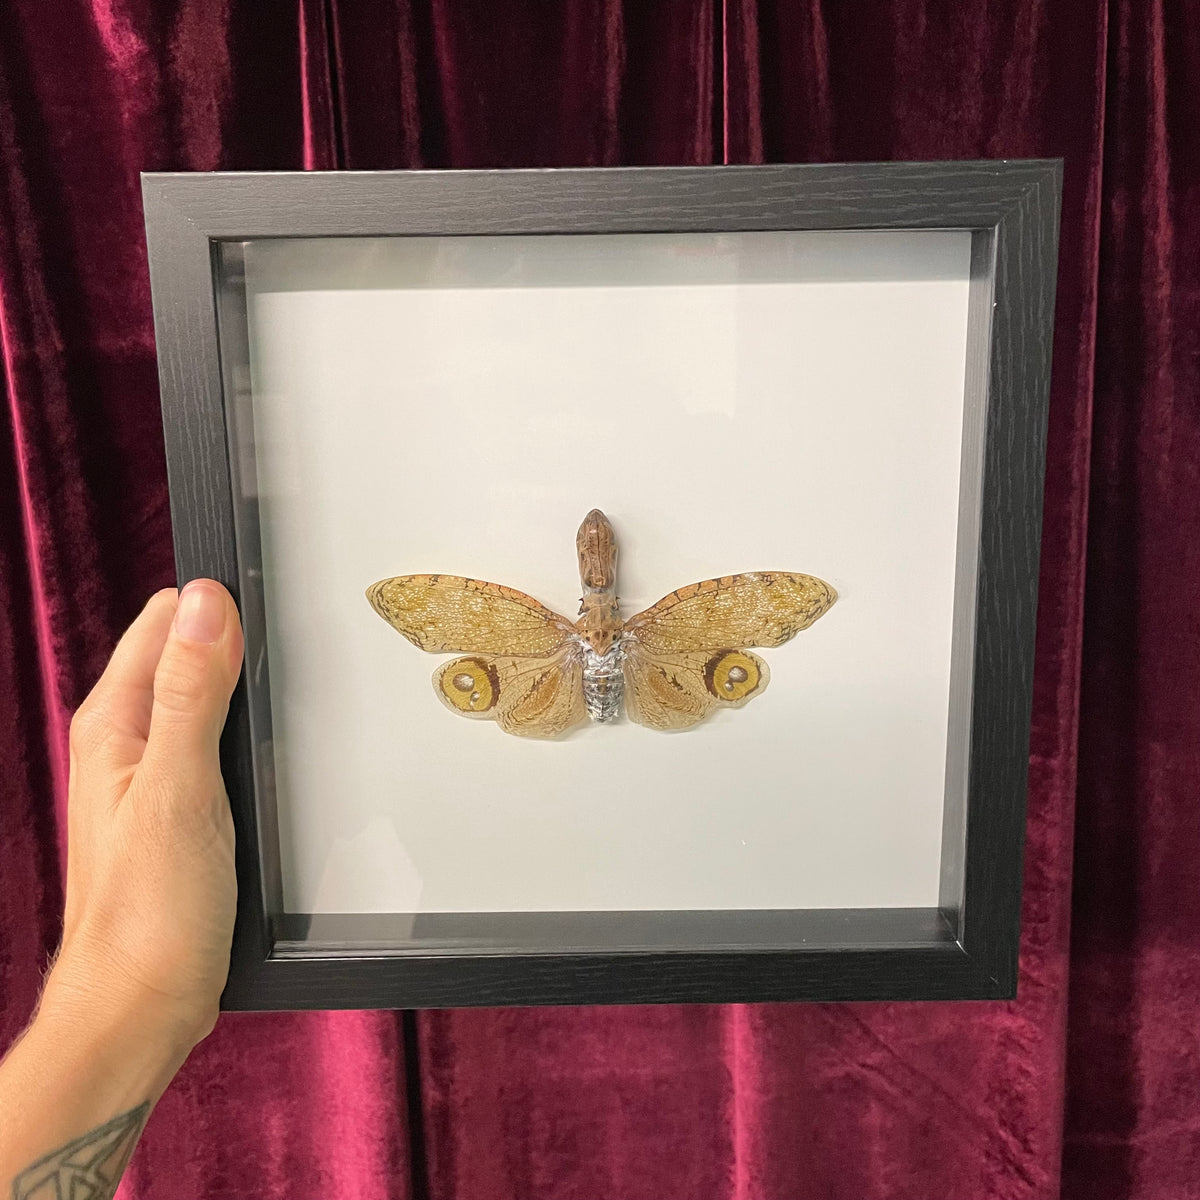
column 449, row 613
column 675, row 690
column 762, row 608
column 529, row 697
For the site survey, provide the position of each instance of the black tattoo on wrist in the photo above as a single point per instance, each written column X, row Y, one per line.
column 91, row 1166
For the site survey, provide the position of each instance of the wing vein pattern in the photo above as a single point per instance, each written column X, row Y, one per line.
column 442, row 613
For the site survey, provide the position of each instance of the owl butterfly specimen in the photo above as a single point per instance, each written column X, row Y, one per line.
column 537, row 674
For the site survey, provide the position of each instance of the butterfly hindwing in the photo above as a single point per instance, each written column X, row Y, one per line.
column 761, row 608
column 449, row 613
column 543, row 699
column 676, row 690
column 529, row 697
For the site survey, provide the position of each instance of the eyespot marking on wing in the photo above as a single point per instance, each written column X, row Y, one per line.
column 470, row 685
column 732, row 675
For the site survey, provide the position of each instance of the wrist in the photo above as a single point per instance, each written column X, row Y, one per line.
column 83, row 1077
column 140, row 1030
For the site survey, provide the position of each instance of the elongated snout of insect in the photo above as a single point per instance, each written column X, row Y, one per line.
column 597, row 547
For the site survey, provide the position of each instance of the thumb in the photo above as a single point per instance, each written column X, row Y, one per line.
column 195, row 676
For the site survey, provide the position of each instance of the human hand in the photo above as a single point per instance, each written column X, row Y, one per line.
column 151, row 890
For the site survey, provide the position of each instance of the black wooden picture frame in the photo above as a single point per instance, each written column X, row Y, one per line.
column 966, row 947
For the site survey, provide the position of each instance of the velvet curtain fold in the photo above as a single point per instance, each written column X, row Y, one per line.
column 1086, row 1086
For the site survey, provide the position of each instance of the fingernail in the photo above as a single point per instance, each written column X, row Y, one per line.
column 201, row 613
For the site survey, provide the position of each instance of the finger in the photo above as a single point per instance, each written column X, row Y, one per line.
column 194, row 679
column 113, row 722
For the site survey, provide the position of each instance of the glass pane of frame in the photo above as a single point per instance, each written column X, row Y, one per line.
column 735, row 402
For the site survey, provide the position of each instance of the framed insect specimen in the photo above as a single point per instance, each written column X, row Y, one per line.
column 392, row 394
column 682, row 658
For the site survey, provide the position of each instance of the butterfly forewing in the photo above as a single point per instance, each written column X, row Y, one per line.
column 449, row 613
column 762, row 608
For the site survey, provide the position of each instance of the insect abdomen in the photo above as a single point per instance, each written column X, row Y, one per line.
column 603, row 684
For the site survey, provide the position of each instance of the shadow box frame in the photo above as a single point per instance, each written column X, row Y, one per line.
column 964, row 948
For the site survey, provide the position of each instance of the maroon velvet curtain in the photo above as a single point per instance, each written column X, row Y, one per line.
column 1088, row 1085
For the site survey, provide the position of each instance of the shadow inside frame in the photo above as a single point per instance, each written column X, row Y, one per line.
column 315, row 934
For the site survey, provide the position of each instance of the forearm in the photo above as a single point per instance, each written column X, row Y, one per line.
column 76, row 1089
